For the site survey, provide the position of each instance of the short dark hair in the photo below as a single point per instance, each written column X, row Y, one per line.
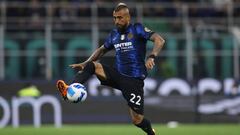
column 120, row 6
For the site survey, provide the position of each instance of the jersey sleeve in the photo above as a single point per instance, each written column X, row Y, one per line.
column 143, row 32
column 108, row 42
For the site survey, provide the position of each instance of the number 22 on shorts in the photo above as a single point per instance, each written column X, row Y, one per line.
column 135, row 99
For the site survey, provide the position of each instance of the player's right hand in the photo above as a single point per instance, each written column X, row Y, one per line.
column 79, row 66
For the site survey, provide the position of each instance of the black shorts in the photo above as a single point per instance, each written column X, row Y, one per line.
column 132, row 88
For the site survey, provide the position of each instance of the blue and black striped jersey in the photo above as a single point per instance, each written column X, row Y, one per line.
column 130, row 47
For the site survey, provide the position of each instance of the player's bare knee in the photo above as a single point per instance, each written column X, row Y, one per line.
column 97, row 66
column 95, row 63
column 99, row 70
column 137, row 119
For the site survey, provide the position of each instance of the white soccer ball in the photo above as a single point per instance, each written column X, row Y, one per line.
column 76, row 92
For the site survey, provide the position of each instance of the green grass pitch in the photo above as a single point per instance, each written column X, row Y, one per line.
column 124, row 129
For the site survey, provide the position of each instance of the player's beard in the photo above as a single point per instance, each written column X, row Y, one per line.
column 121, row 28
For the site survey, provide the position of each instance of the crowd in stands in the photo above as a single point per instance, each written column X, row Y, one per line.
column 70, row 10
column 216, row 8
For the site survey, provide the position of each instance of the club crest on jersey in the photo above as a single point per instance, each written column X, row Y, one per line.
column 122, row 37
column 130, row 36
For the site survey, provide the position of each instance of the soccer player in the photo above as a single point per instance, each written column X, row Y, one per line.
column 129, row 41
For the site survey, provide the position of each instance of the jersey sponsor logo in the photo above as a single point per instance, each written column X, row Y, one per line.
column 126, row 46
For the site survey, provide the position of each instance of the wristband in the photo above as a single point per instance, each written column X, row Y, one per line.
column 151, row 56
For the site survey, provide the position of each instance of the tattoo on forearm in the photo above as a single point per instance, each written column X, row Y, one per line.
column 97, row 54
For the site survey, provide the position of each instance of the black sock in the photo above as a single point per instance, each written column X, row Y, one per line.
column 88, row 71
column 145, row 125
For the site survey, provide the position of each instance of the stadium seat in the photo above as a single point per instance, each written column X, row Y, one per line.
column 32, row 49
column 209, row 60
column 227, row 62
column 206, row 63
column 171, row 46
column 80, row 42
column 12, row 69
column 158, row 25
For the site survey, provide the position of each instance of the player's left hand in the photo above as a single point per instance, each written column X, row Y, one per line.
column 150, row 63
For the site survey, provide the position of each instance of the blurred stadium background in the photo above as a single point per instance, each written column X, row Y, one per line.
column 195, row 80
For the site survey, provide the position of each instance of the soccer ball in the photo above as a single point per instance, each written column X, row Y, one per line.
column 76, row 92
